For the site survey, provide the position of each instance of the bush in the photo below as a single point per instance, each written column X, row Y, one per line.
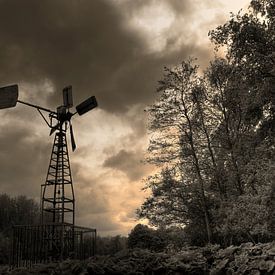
column 110, row 245
column 244, row 219
column 146, row 238
column 5, row 246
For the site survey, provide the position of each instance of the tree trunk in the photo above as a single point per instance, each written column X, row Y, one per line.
column 198, row 170
column 210, row 149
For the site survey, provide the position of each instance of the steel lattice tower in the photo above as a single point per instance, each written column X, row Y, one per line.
column 57, row 194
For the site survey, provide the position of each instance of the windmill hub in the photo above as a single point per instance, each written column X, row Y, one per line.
column 63, row 115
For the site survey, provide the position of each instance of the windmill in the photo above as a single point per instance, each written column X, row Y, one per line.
column 57, row 193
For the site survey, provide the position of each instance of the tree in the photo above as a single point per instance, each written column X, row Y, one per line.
column 14, row 211
column 110, row 245
column 17, row 211
column 166, row 206
column 226, row 95
column 212, row 134
column 250, row 78
column 245, row 219
column 271, row 212
column 249, row 41
column 144, row 237
column 181, row 135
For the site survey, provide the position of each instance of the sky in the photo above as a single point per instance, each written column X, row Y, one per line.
column 115, row 50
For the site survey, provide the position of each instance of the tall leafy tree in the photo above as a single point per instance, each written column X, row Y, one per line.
column 167, row 205
column 249, row 40
column 178, row 141
column 212, row 135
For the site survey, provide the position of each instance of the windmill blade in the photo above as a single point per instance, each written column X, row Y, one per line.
column 8, row 96
column 72, row 137
column 86, row 105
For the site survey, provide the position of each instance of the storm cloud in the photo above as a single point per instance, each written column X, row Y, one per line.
column 86, row 44
column 129, row 162
column 113, row 49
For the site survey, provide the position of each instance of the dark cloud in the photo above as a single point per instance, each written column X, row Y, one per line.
column 23, row 161
column 102, row 222
column 179, row 7
column 91, row 196
column 84, row 43
column 128, row 162
column 79, row 43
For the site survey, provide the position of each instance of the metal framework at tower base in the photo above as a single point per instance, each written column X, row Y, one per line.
column 51, row 243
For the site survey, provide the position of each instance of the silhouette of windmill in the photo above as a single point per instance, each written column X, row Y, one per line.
column 57, row 193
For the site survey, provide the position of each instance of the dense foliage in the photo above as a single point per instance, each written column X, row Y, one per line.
column 244, row 259
column 17, row 211
column 213, row 137
column 14, row 211
column 110, row 245
column 162, row 239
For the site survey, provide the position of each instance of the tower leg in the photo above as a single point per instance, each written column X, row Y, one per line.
column 57, row 200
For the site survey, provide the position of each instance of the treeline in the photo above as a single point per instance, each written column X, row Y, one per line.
column 21, row 210
column 157, row 240
column 18, row 210
column 109, row 245
column 213, row 137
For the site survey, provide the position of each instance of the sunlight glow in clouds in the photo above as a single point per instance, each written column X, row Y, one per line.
column 160, row 24
column 154, row 21
column 104, row 193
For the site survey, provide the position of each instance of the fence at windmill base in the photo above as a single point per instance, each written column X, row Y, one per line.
column 46, row 243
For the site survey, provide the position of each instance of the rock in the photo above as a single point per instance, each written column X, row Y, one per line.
column 270, row 266
column 228, row 252
column 77, row 268
column 94, row 269
column 21, row 271
column 271, row 251
column 4, row 269
column 220, row 267
column 65, row 265
column 255, row 272
column 244, row 259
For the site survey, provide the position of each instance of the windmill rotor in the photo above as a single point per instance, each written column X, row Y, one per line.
column 9, row 98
